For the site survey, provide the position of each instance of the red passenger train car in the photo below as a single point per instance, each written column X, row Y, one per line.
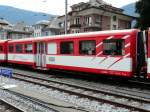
column 116, row 53
column 3, row 51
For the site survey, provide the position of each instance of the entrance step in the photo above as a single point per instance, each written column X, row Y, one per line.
column 41, row 68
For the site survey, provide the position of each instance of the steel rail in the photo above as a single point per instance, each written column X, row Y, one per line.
column 117, row 104
column 10, row 106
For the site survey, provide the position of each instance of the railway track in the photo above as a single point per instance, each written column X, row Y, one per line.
column 17, row 102
column 7, row 107
column 100, row 95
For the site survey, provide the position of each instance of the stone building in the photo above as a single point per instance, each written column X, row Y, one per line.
column 4, row 27
column 20, row 30
column 53, row 28
column 95, row 15
column 39, row 26
column 46, row 28
column 17, row 31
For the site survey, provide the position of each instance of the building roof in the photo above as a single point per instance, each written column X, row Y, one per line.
column 3, row 41
column 79, row 35
column 42, row 22
column 3, row 21
column 54, row 24
column 20, row 32
column 102, row 6
column 95, row 3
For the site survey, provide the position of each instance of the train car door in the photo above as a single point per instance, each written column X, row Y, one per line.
column 142, row 49
column 41, row 55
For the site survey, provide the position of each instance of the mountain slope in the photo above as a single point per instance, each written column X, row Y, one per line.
column 14, row 15
column 130, row 9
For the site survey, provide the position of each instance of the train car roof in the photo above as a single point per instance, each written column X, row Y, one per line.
column 2, row 41
column 77, row 35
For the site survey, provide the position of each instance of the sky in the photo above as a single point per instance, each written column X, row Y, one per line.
column 55, row 7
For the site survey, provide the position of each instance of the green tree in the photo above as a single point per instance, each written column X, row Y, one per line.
column 143, row 9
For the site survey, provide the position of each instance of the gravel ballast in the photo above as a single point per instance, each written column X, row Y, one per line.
column 77, row 101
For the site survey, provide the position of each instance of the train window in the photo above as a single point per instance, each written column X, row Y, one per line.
column 1, row 49
column 28, row 48
column 66, row 47
column 113, row 47
column 52, row 48
column 87, row 47
column 11, row 48
column 18, row 48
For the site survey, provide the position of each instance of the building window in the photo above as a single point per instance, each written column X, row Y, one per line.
column 1, row 49
column 66, row 47
column 61, row 25
column 113, row 47
column 97, row 19
column 11, row 48
column 77, row 20
column 39, row 34
column 128, row 25
column 18, row 48
column 87, row 47
column 114, row 27
column 88, row 20
column 68, row 25
column 114, row 18
column 46, row 33
column 19, row 36
column 86, row 30
column 75, row 31
column 28, row 48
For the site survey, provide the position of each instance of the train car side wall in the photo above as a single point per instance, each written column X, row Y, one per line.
column 3, row 51
column 21, row 53
column 107, row 52
column 99, row 62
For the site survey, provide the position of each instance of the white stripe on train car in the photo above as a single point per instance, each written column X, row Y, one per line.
column 101, row 52
column 21, row 57
column 127, row 45
column 110, row 37
column 126, row 55
column 125, row 37
column 98, row 45
column 2, row 56
column 82, row 61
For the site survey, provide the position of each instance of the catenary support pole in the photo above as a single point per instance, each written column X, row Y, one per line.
column 66, row 9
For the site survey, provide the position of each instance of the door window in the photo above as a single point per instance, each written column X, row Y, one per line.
column 11, row 48
column 28, row 48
